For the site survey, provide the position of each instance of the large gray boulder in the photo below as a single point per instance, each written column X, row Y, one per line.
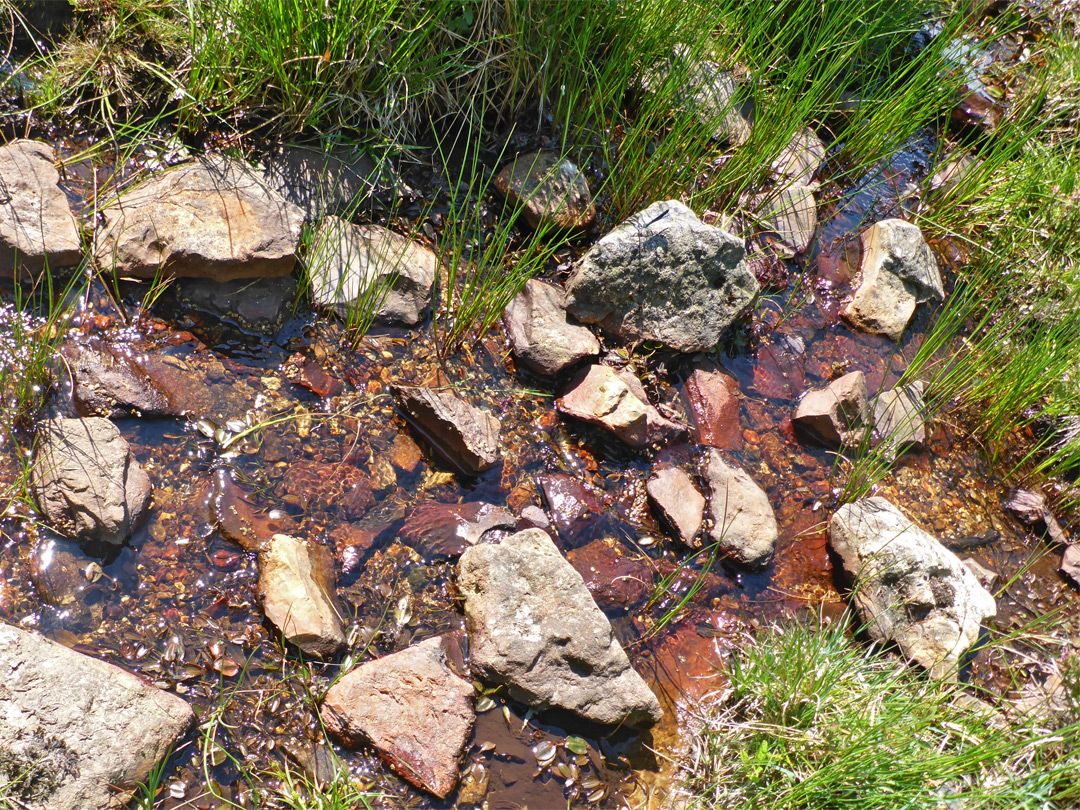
column 297, row 589
column 666, row 276
column 77, row 733
column 37, row 228
column 358, row 267
column 415, row 711
column 534, row 627
column 214, row 218
column 898, row 271
column 542, row 338
column 907, row 587
column 86, row 482
column 743, row 522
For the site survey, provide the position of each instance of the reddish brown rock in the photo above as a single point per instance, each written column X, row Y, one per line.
column 674, row 495
column 351, row 542
column 411, row 708
column 404, row 454
column 542, row 338
column 838, row 414
column 240, row 520
column 614, row 580
column 467, row 436
column 572, row 506
column 714, row 403
column 447, row 529
column 105, row 381
column 306, row 373
column 336, row 488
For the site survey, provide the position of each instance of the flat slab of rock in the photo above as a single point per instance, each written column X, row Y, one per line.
column 542, row 338
column 412, row 708
column 75, row 732
column 743, row 521
column 467, row 436
column 550, row 190
column 666, row 276
column 838, row 414
column 790, row 212
column 908, row 588
column 86, row 482
column 239, row 519
column 534, row 627
column 106, row 381
column 297, row 590
column 714, row 402
column 898, row 271
column 616, row 402
column 37, row 228
column 900, row 418
column 214, row 218
column 800, row 159
column 258, row 305
column 359, row 268
column 448, row 529
column 673, row 493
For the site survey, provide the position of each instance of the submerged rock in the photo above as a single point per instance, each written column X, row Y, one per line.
column 356, row 269
column 412, row 708
column 86, row 482
column 899, row 418
column 898, row 271
column 615, row 581
column 907, row 587
column 791, row 212
column 297, row 590
column 240, row 520
column 534, row 627
column 673, row 493
column 550, row 190
column 106, row 381
column 75, row 732
column 663, row 275
column 542, row 338
column 448, row 529
column 259, row 305
column 37, row 228
column 214, row 218
column 743, row 522
column 573, row 507
column 617, row 402
column 467, row 436
column 836, row 415
column 714, row 403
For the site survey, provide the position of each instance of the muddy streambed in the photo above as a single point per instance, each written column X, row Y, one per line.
column 300, row 430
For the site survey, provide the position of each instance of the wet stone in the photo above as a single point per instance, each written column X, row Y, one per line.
column 341, row 489
column 1031, row 508
column 542, row 338
column 37, row 228
column 666, row 276
column 241, row 520
column 743, row 522
column 356, row 268
column 899, row 418
column 573, row 507
column 259, row 305
column 674, row 495
column 714, row 404
column 615, row 581
column 106, row 381
column 214, row 218
column 447, row 529
column 835, row 415
column 76, row 732
column 467, row 436
column 551, row 191
column 86, row 482
column 61, row 573
column 412, row 708
column 534, row 627
column 404, row 453
column 297, row 590
column 907, row 587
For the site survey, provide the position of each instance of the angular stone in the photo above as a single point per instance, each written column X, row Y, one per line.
column 214, row 218
column 898, row 270
column 106, row 381
column 297, row 590
column 1070, row 563
column 86, row 482
column 907, row 587
column 75, row 732
column 239, row 519
column 714, row 403
column 412, row 708
column 790, row 212
column 615, row 581
column 258, row 305
column 550, row 190
column 534, row 627
column 899, row 418
column 666, row 276
column 616, row 402
column 838, row 414
column 743, row 521
column 800, row 159
column 357, row 269
column 447, row 529
column 37, row 228
column 1032, row 509
column 467, row 436
column 573, row 507
column 542, row 338
column 673, row 493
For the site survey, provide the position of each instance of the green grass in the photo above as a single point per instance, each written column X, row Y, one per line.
column 811, row 720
